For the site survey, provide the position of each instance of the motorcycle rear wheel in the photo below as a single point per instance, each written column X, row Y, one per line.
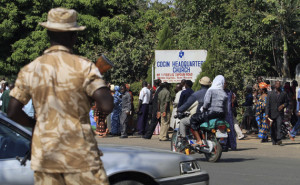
column 174, row 147
column 216, row 153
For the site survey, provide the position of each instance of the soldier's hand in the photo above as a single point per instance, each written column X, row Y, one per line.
column 164, row 114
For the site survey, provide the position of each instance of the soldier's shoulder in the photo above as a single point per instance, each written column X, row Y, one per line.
column 84, row 59
column 31, row 64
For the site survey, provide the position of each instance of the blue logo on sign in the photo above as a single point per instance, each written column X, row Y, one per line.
column 181, row 54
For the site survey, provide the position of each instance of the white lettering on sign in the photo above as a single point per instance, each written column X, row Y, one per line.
column 174, row 65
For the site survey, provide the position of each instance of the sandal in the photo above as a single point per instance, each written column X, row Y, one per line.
column 199, row 144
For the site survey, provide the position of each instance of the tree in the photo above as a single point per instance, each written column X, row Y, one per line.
column 123, row 30
column 209, row 67
column 284, row 18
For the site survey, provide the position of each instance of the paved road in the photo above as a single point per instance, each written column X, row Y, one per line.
column 254, row 163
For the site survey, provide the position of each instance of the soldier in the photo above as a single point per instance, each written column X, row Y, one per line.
column 62, row 87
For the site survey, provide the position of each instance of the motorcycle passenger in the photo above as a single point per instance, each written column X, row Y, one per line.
column 190, row 104
column 214, row 106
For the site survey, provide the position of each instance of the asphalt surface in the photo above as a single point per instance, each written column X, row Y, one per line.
column 254, row 163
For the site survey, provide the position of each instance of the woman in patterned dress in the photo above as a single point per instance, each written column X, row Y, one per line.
column 263, row 126
column 115, row 115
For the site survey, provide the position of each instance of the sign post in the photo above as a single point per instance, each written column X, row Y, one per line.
column 174, row 65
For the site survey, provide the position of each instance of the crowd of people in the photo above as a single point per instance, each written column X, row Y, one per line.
column 268, row 110
column 271, row 110
column 154, row 105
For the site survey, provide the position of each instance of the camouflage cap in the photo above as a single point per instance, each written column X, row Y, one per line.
column 62, row 20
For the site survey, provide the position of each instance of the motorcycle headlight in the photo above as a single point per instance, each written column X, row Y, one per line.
column 189, row 167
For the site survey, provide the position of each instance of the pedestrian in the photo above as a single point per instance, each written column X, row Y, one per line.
column 231, row 141
column 263, row 126
column 276, row 102
column 0, row 98
column 294, row 117
column 1, row 92
column 144, row 99
column 174, row 123
column 296, row 128
column 182, row 83
column 269, row 85
column 131, row 127
column 93, row 119
column 101, row 126
column 126, row 108
column 152, row 92
column 2, row 82
column 286, row 126
column 185, row 94
column 259, row 79
column 248, row 112
column 288, row 112
column 108, row 118
column 154, row 120
column 163, row 111
column 5, row 97
column 115, row 115
column 62, row 86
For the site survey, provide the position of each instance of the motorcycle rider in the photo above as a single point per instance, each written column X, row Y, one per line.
column 214, row 106
column 191, row 103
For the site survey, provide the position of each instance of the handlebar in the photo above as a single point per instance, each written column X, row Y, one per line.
column 181, row 115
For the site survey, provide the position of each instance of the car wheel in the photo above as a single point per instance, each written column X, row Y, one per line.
column 128, row 182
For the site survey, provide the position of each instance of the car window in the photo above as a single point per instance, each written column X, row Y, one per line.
column 12, row 144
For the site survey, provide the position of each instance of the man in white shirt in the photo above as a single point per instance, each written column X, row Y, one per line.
column 143, row 109
column 174, row 123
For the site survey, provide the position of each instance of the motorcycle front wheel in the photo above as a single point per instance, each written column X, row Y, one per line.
column 216, row 153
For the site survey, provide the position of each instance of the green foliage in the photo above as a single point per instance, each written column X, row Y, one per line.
column 282, row 17
column 136, row 88
column 244, row 39
column 207, row 67
column 165, row 41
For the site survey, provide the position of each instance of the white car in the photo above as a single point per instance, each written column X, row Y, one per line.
column 123, row 164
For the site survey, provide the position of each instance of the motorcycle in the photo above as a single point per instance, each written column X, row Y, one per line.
column 214, row 134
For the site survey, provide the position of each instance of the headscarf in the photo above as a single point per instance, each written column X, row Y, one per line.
column 117, row 91
column 117, row 97
column 117, row 88
column 218, row 82
column 263, row 85
column 127, row 86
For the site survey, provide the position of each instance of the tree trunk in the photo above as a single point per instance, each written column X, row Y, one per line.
column 285, row 66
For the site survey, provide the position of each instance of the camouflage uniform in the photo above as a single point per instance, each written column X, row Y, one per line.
column 63, row 144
